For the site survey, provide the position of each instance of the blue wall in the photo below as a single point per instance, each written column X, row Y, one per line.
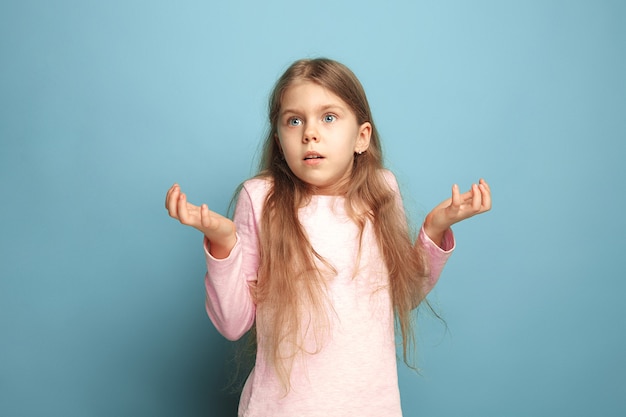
column 103, row 105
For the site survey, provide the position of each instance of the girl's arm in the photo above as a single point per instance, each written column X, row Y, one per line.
column 457, row 208
column 229, row 281
column 231, row 256
column 436, row 236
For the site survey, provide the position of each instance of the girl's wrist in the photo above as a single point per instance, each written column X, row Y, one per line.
column 220, row 249
column 435, row 233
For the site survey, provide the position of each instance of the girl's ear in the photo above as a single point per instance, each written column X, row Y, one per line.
column 363, row 140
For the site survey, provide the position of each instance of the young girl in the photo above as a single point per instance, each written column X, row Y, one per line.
column 319, row 258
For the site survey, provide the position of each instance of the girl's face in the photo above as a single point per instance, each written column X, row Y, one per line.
column 318, row 134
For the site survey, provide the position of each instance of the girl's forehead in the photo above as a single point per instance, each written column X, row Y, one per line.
column 308, row 92
column 299, row 85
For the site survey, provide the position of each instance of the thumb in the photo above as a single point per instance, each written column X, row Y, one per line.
column 456, row 196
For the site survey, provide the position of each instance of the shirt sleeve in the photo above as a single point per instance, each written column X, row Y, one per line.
column 228, row 281
column 435, row 255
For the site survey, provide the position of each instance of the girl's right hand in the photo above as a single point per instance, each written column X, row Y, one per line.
column 219, row 230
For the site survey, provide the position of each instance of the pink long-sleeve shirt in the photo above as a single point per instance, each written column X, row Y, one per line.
column 354, row 372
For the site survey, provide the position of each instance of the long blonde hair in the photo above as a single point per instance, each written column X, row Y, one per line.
column 289, row 275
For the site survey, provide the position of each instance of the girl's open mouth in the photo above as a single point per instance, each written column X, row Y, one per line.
column 312, row 156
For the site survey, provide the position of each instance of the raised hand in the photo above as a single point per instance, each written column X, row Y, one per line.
column 457, row 208
column 219, row 230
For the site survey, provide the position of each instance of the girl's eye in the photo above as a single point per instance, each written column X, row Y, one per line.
column 329, row 118
column 294, row 121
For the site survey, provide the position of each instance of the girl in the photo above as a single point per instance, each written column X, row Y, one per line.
column 318, row 257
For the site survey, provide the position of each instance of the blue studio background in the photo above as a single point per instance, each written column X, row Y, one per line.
column 103, row 105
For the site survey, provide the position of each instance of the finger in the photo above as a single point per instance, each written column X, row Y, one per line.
column 172, row 202
column 205, row 216
column 457, row 200
column 483, row 182
column 169, row 192
column 181, row 207
column 486, row 196
column 173, row 188
column 476, row 198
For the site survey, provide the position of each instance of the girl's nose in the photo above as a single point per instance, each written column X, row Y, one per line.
column 310, row 135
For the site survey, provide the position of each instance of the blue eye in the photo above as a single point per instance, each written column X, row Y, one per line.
column 294, row 121
column 329, row 118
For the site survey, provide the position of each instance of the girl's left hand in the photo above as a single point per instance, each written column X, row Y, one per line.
column 460, row 207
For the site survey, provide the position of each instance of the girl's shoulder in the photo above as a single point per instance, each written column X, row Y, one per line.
column 390, row 179
column 258, row 182
column 257, row 187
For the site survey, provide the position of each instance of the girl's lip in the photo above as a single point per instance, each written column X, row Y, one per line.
column 312, row 156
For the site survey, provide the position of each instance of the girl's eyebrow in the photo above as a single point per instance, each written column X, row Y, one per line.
column 321, row 109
